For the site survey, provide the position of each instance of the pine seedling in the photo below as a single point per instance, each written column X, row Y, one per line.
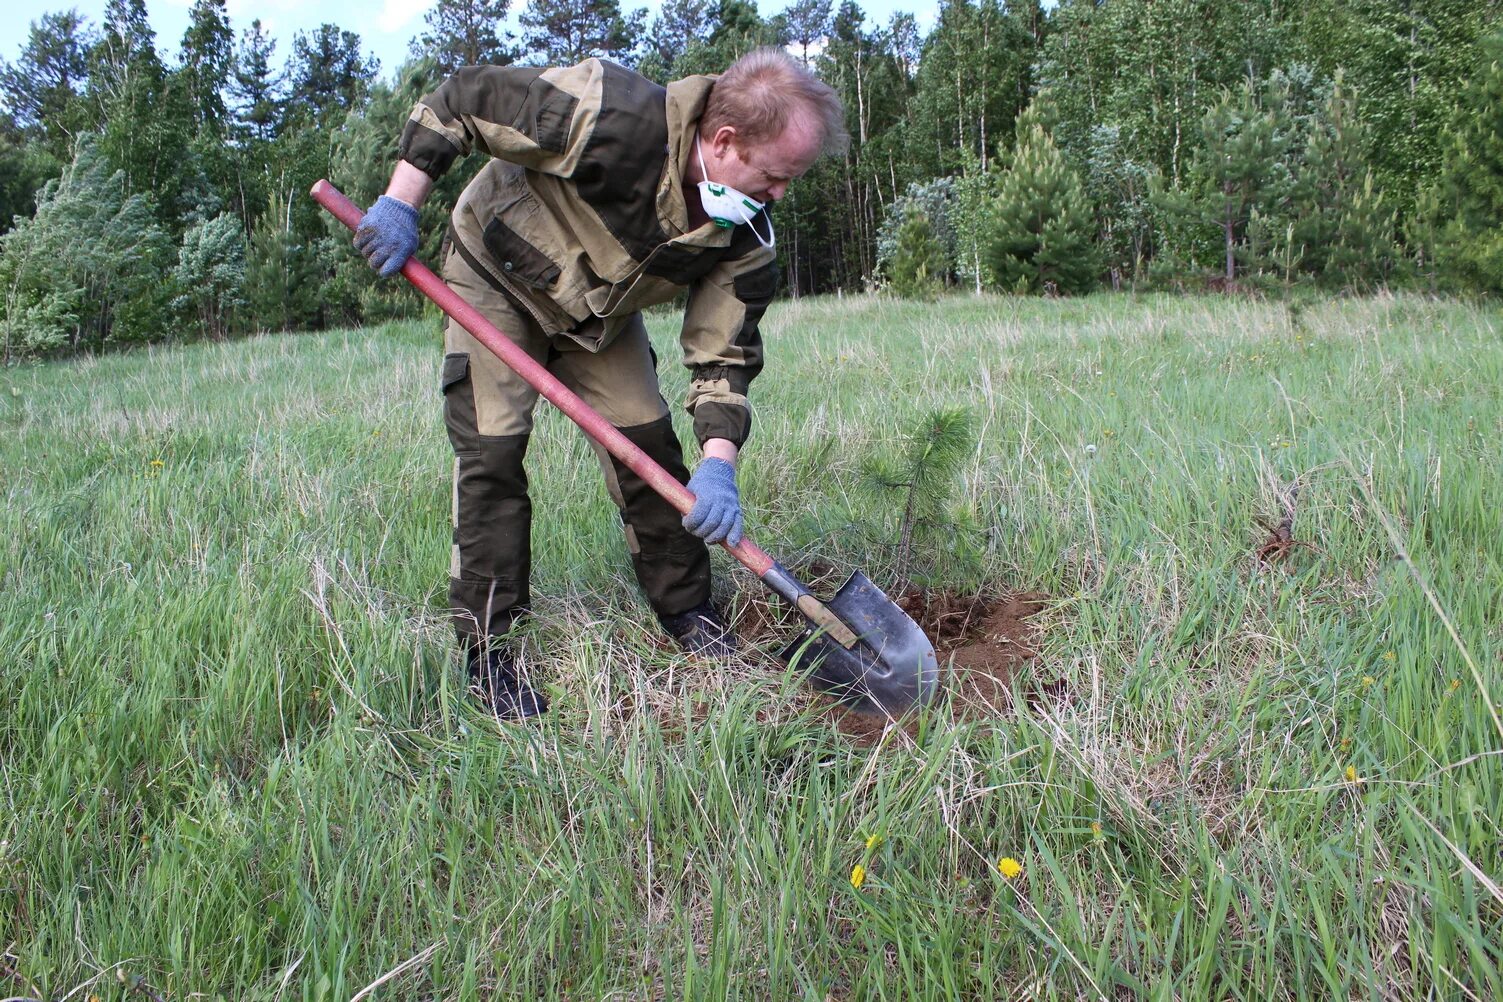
column 922, row 478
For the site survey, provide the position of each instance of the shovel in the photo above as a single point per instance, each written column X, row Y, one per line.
column 858, row 646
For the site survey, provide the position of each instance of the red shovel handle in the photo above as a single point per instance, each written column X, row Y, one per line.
column 753, row 557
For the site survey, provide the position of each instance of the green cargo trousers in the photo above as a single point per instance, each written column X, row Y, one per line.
column 488, row 414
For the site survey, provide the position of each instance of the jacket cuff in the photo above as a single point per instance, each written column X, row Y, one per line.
column 428, row 151
column 719, row 420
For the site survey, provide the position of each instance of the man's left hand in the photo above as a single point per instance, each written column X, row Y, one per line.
column 716, row 515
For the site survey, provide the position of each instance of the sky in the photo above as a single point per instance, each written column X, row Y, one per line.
column 385, row 26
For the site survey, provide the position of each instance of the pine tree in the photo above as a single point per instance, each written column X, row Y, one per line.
column 42, row 88
column 330, row 74
column 465, row 33
column 280, row 292
column 207, row 57
column 680, row 28
column 1241, row 146
column 918, row 483
column 564, row 32
column 256, row 86
column 1041, row 240
column 1341, row 227
column 1365, row 254
column 1470, row 247
column 917, row 269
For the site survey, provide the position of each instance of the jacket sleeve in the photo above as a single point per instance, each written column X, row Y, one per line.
column 526, row 115
column 722, row 343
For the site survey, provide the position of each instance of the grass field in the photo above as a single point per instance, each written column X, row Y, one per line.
column 237, row 762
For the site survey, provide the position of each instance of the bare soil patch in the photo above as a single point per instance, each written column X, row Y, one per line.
column 980, row 640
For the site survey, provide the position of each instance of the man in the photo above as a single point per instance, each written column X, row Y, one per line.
column 606, row 194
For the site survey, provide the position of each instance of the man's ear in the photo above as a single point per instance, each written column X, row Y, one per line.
column 724, row 138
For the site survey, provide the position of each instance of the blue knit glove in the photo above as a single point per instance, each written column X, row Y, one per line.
column 716, row 514
column 387, row 235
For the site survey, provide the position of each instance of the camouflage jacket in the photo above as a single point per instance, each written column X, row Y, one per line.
column 582, row 215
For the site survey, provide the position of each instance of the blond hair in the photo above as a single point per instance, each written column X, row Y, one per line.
column 761, row 91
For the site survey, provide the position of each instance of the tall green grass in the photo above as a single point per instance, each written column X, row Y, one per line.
column 237, row 762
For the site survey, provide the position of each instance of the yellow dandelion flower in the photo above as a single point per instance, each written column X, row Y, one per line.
column 873, row 842
column 157, row 463
column 1352, row 777
column 1009, row 867
column 1367, row 680
column 1096, row 828
column 1455, row 684
column 858, row 876
column 1390, row 657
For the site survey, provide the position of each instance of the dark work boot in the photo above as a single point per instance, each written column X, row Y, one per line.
column 496, row 684
column 702, row 631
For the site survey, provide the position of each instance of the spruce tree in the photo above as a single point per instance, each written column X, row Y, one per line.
column 1042, row 236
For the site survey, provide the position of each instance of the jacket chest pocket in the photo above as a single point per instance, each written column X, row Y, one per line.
column 519, row 260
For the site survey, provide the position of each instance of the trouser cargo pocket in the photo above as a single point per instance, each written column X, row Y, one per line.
column 459, row 404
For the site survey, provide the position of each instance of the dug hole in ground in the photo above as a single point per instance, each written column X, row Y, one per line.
column 981, row 640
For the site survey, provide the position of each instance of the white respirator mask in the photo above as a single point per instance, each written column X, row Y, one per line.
column 728, row 207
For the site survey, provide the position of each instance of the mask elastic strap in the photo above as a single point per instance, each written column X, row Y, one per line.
column 772, row 238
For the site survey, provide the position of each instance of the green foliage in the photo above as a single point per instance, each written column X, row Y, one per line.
column 932, row 201
column 1409, row 61
column 920, row 482
column 207, row 55
column 918, row 267
column 1471, row 186
column 1119, row 188
column 256, row 86
column 1041, row 239
column 211, row 272
column 87, row 268
column 465, row 33
column 565, row 32
column 974, row 219
column 330, row 75
column 281, row 292
column 974, row 76
column 1208, row 136
column 41, row 89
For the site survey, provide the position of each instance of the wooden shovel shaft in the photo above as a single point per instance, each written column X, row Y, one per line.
column 751, row 556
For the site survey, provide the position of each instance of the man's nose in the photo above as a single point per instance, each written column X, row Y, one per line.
column 777, row 191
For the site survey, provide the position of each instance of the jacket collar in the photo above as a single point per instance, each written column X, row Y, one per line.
column 686, row 103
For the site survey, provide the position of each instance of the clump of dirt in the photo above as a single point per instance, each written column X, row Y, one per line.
column 980, row 641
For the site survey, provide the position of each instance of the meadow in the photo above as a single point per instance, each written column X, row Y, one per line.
column 237, row 761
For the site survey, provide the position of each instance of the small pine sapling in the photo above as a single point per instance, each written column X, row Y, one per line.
column 922, row 477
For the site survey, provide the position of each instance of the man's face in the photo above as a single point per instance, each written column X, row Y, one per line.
column 761, row 170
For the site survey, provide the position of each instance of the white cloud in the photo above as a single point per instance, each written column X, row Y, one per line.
column 397, row 14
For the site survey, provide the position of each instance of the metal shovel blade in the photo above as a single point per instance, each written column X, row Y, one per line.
column 890, row 668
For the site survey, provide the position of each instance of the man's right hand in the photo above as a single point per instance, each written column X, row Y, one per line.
column 387, row 235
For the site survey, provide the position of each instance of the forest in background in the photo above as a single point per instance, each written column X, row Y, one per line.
column 1241, row 145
